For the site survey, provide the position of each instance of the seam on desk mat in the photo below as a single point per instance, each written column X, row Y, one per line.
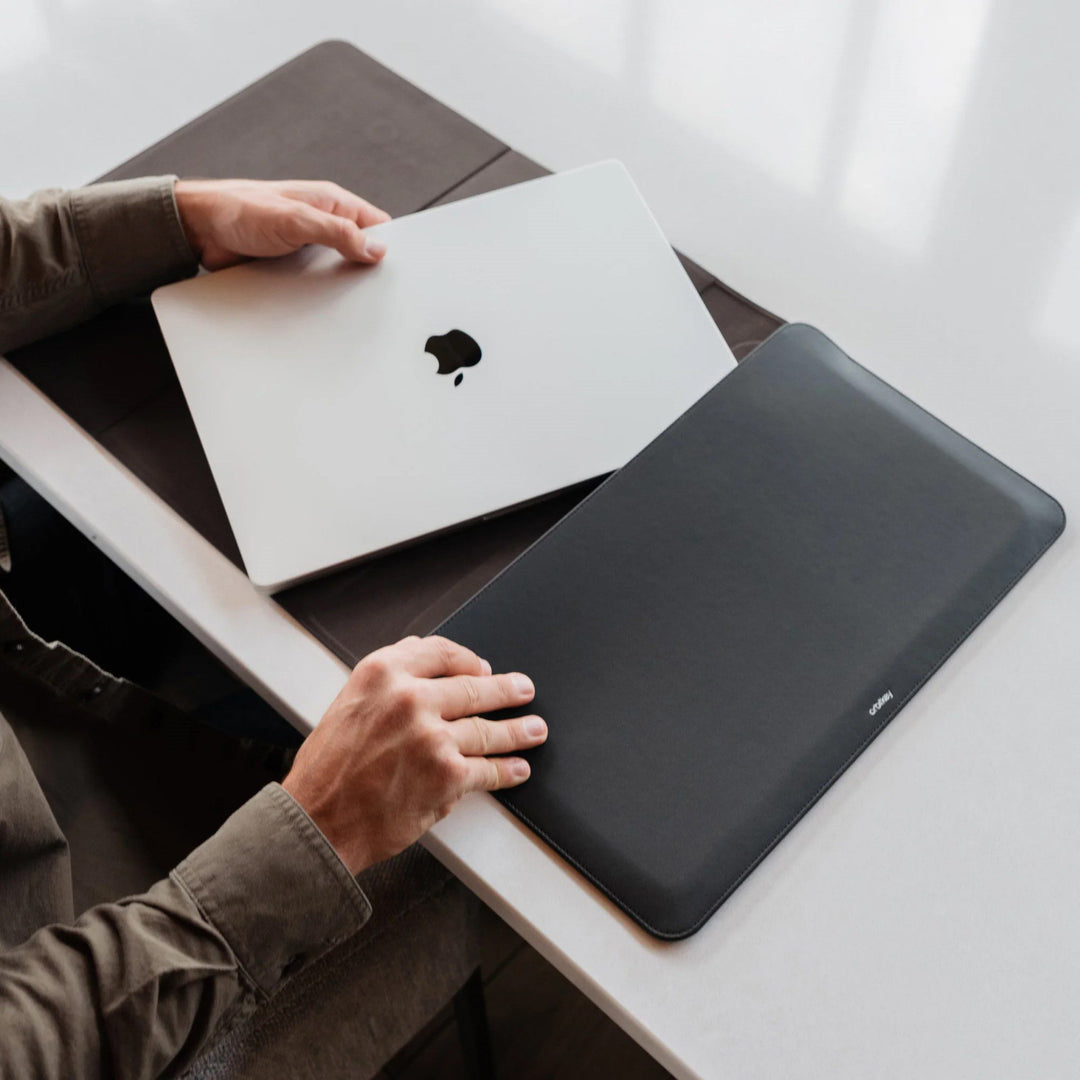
column 430, row 204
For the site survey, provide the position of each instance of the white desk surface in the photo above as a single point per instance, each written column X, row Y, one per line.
column 906, row 175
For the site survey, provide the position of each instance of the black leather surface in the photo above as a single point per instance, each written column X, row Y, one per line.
column 713, row 631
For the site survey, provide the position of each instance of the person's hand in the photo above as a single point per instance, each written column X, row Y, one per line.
column 229, row 221
column 403, row 741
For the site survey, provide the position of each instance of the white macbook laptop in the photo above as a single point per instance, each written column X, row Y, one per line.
column 507, row 347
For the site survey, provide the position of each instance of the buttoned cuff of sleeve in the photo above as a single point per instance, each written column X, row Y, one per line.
column 274, row 888
column 130, row 236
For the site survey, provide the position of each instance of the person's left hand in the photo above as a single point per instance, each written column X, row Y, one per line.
column 229, row 221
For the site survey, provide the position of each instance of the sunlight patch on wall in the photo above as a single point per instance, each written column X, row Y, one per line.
column 24, row 33
column 921, row 65
column 591, row 31
column 757, row 79
column 1058, row 322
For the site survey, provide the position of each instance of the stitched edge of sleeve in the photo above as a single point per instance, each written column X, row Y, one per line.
column 274, row 887
column 130, row 236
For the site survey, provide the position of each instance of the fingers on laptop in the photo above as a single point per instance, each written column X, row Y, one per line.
column 329, row 214
column 308, row 225
column 334, row 199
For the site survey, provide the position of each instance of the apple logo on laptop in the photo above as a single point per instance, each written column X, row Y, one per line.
column 454, row 349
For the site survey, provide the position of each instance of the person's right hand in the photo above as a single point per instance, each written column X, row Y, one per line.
column 229, row 221
column 403, row 741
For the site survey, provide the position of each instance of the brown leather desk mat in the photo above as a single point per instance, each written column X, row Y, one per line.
column 336, row 114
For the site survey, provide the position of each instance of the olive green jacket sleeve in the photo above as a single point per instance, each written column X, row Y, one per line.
column 136, row 988
column 65, row 255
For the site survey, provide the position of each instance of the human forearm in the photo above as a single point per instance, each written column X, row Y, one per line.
column 136, row 988
column 125, row 991
column 65, row 255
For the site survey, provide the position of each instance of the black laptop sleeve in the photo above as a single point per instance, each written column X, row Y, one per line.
column 726, row 623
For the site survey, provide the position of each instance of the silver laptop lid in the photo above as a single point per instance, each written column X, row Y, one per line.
column 508, row 346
